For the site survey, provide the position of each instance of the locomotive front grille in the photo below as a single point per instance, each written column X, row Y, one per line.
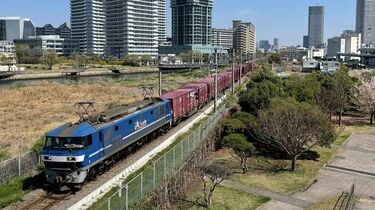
column 61, row 166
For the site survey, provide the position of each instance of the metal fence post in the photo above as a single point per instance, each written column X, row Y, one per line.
column 109, row 203
column 165, row 165
column 120, row 191
column 188, row 140
column 127, row 197
column 142, row 184
column 154, row 174
column 174, row 156
column 19, row 165
column 182, row 149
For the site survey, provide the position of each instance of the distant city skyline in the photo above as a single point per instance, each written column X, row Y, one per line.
column 286, row 20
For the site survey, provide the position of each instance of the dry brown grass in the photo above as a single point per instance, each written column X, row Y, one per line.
column 27, row 113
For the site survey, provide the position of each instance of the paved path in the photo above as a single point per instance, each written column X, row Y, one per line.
column 287, row 200
column 355, row 163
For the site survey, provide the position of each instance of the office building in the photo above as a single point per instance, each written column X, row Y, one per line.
column 87, row 18
column 335, row 45
column 53, row 43
column 135, row 27
column 365, row 21
column 7, row 49
column 305, row 41
column 191, row 27
column 16, row 28
column 276, row 44
column 223, row 38
column 244, row 36
column 348, row 43
column 264, row 45
column 63, row 31
column 316, row 26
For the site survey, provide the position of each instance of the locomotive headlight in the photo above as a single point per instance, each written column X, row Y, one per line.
column 47, row 158
column 71, row 159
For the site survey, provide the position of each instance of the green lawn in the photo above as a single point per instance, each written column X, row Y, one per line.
column 223, row 198
column 262, row 171
column 17, row 188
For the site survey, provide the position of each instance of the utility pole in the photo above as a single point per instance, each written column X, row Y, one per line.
column 215, row 101
column 239, row 81
column 160, row 84
column 233, row 80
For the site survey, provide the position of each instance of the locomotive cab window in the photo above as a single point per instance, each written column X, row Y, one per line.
column 116, row 128
column 130, row 122
column 68, row 143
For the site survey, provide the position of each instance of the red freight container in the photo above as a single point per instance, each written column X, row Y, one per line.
column 227, row 79
column 209, row 81
column 202, row 90
column 183, row 102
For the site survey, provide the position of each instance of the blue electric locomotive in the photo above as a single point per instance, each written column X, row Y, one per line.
column 74, row 152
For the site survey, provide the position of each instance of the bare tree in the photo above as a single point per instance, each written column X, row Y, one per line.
column 294, row 127
column 367, row 97
column 215, row 173
column 241, row 148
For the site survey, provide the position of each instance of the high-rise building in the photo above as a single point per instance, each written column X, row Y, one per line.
column 365, row 21
column 316, row 26
column 191, row 22
column 135, row 27
column 306, row 41
column 335, row 45
column 63, row 31
column 264, row 45
column 223, row 38
column 276, row 44
column 16, row 28
column 244, row 37
column 87, row 24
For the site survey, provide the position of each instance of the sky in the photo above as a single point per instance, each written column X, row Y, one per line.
column 283, row 19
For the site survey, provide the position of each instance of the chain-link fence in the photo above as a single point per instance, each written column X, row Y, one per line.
column 153, row 174
column 19, row 166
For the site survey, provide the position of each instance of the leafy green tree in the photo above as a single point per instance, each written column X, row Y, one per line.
column 146, row 59
column 274, row 58
column 303, row 89
column 28, row 55
column 197, row 57
column 295, row 127
column 185, row 57
column 241, row 148
column 50, row 58
column 131, row 60
column 345, row 87
column 263, row 86
column 233, row 125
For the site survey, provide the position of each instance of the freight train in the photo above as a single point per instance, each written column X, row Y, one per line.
column 74, row 153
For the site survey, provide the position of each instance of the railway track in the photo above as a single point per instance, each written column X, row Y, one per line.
column 46, row 202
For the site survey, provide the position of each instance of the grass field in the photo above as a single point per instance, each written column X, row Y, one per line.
column 28, row 112
column 274, row 174
column 223, row 198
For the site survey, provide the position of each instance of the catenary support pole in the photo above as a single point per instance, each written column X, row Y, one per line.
column 215, row 101
column 160, row 84
column 233, row 80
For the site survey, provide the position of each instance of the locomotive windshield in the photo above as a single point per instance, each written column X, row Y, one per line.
column 69, row 143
